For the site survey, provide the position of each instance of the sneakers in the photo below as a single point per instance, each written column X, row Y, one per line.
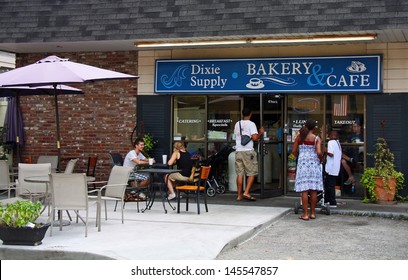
column 171, row 196
column 333, row 206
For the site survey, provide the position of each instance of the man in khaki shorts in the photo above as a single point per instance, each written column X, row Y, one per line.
column 246, row 161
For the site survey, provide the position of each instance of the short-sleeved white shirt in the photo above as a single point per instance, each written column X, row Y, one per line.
column 248, row 128
column 333, row 163
column 131, row 156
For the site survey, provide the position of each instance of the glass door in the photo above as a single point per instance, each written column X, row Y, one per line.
column 271, row 146
column 299, row 109
column 267, row 111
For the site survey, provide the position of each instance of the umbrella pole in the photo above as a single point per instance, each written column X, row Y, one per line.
column 18, row 132
column 58, row 127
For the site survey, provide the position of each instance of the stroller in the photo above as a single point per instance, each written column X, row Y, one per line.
column 216, row 173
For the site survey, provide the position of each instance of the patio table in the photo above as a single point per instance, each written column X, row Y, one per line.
column 162, row 186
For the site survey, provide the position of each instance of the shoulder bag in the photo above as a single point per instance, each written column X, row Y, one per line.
column 245, row 139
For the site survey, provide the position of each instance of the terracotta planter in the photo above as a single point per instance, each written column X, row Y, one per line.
column 23, row 236
column 385, row 194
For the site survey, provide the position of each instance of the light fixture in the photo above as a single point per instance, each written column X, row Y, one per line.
column 254, row 41
column 316, row 39
column 189, row 43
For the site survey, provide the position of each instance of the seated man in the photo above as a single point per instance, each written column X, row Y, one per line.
column 352, row 154
column 136, row 158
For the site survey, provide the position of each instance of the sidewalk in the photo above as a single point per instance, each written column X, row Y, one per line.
column 155, row 235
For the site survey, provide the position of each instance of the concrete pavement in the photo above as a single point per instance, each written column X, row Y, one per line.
column 156, row 235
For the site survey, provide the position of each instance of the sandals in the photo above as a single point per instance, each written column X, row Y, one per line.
column 304, row 218
column 349, row 182
column 248, row 197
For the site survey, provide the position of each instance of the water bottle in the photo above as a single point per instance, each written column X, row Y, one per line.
column 353, row 189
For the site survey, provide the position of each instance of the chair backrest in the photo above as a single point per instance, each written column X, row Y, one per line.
column 27, row 159
column 195, row 174
column 71, row 166
column 69, row 191
column 90, row 169
column 118, row 175
column 116, row 159
column 205, row 172
column 28, row 170
column 49, row 159
column 199, row 175
column 4, row 174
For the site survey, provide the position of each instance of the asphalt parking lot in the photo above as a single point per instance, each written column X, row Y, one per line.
column 334, row 237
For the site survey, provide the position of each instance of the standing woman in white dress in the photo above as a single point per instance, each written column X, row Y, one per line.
column 309, row 177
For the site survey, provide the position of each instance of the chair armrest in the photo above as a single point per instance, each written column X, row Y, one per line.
column 112, row 185
column 97, row 182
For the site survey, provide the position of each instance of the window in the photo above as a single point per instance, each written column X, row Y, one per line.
column 189, row 118
column 223, row 113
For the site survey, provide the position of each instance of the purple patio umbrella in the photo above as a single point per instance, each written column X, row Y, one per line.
column 55, row 71
column 14, row 122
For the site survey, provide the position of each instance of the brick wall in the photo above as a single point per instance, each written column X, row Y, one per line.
column 95, row 123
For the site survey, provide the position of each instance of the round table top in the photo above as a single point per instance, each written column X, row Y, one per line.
column 46, row 179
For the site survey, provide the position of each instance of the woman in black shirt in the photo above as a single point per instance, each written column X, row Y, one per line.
column 183, row 160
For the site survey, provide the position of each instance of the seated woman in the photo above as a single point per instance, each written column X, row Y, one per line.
column 183, row 160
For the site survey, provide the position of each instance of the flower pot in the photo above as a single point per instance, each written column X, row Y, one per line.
column 23, row 235
column 385, row 193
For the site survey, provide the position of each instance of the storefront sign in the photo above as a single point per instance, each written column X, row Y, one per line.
column 280, row 75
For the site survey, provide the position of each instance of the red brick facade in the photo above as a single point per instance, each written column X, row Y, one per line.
column 95, row 123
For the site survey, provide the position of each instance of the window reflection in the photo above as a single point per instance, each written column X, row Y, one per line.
column 223, row 113
column 189, row 118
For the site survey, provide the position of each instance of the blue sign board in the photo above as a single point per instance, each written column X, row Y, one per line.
column 361, row 73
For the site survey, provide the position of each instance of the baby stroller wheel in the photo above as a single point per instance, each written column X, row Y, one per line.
column 326, row 208
column 211, row 191
column 297, row 206
column 221, row 189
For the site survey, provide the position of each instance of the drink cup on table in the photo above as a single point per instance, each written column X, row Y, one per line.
column 151, row 161
column 164, row 159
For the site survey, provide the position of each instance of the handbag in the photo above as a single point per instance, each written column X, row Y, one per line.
column 245, row 139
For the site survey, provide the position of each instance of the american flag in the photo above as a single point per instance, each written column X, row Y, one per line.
column 340, row 106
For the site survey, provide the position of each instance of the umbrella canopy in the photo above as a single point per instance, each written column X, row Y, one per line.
column 39, row 90
column 13, row 124
column 54, row 71
column 14, row 120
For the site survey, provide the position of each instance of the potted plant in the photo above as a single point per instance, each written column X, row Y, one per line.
column 18, row 223
column 149, row 144
column 382, row 181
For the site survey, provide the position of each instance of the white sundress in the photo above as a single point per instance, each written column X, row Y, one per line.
column 309, row 174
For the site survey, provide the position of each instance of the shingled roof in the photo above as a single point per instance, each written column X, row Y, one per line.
column 23, row 21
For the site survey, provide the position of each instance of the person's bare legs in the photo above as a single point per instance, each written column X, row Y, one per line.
column 240, row 179
column 144, row 183
column 347, row 169
column 170, row 186
column 313, row 203
column 305, row 202
column 249, row 184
